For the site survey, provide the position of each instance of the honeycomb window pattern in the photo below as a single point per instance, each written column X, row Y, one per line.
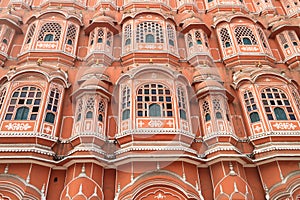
column 189, row 40
column 149, row 32
column 206, row 110
column 262, row 38
column 24, row 104
column 225, row 38
column 50, row 28
column 101, row 111
column 243, row 34
column 30, row 33
column 71, row 34
column 154, row 100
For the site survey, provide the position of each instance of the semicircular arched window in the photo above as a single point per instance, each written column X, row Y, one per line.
column 149, row 32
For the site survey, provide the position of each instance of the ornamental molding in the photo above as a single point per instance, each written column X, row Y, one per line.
column 27, row 134
column 18, row 126
column 155, row 148
column 284, row 126
column 274, row 133
column 279, row 147
column 155, row 131
column 216, row 134
column 83, row 134
column 26, row 149
column 221, row 148
column 87, row 148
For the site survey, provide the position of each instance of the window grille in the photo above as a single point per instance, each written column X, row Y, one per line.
column 52, row 106
column 126, row 102
column 50, row 28
column 242, row 34
column 2, row 96
column 71, row 34
column 251, row 106
column 181, row 103
column 171, row 35
column 149, row 32
column 127, row 34
column 225, row 38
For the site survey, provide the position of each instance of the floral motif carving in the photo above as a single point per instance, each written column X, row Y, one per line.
column 17, row 126
column 155, row 123
column 285, row 126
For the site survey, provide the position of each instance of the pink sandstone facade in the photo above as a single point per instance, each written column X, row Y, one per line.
column 149, row 100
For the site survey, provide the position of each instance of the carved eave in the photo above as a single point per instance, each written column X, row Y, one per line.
column 131, row 15
column 49, row 72
column 111, row 26
column 66, row 14
column 12, row 20
column 219, row 18
column 252, row 74
column 102, row 21
column 282, row 25
column 194, row 23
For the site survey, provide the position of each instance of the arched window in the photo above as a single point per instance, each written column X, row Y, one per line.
column 283, row 41
column 149, row 32
column 50, row 31
column 254, row 117
column 28, row 98
column 89, row 115
column 207, row 117
column 218, row 115
column 4, row 41
column 275, row 99
column 30, row 33
column 244, row 36
column 100, row 118
column 22, row 113
column 149, row 38
column 127, row 34
column 125, row 102
column 171, row 35
column 49, row 37
column 52, row 104
column 154, row 110
column 154, row 94
column 126, row 114
column 50, row 117
column 251, row 106
column 71, row 34
column 181, row 102
column 247, row 41
column 280, row 114
column 225, row 37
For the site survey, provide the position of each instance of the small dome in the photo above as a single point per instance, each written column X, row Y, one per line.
column 11, row 19
column 102, row 21
column 205, row 73
column 209, row 85
column 193, row 22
